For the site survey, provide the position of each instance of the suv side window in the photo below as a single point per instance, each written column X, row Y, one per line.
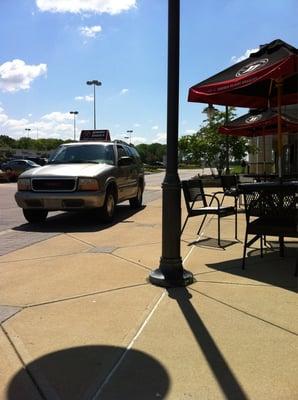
column 135, row 155
column 121, row 151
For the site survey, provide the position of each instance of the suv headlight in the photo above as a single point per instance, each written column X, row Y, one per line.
column 88, row 184
column 24, row 184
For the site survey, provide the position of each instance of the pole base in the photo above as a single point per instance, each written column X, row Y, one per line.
column 158, row 278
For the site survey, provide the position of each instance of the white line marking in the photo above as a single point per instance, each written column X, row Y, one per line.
column 99, row 391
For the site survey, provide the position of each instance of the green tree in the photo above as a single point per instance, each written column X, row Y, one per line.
column 150, row 153
column 215, row 149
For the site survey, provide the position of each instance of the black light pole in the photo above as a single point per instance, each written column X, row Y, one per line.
column 74, row 123
column 28, row 130
column 94, row 83
column 130, row 132
column 170, row 272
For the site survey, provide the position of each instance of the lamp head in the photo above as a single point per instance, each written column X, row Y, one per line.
column 210, row 111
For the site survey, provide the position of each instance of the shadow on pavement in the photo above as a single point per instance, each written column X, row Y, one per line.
column 93, row 372
column 216, row 361
column 81, row 221
column 271, row 269
column 213, row 243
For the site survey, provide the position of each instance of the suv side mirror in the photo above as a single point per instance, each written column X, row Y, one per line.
column 125, row 160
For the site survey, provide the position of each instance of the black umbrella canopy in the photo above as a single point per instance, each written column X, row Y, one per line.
column 253, row 82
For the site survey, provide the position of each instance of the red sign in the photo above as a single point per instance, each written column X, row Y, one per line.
column 96, row 135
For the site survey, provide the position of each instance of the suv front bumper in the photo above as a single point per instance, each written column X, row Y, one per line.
column 60, row 201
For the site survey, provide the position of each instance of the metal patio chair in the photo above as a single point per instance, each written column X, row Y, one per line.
column 229, row 185
column 270, row 211
column 196, row 205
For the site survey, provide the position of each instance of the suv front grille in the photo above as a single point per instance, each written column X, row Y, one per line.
column 54, row 185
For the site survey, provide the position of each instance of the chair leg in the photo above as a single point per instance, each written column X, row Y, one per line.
column 218, row 230
column 222, row 199
column 184, row 225
column 244, row 250
column 236, row 224
column 202, row 223
column 261, row 242
column 281, row 246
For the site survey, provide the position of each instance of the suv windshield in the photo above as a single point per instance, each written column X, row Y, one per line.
column 99, row 154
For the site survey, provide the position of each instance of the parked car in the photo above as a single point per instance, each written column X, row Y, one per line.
column 14, row 168
column 83, row 175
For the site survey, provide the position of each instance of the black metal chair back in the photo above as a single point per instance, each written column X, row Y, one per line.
column 271, row 202
column 229, row 182
column 277, row 214
column 193, row 193
column 196, row 204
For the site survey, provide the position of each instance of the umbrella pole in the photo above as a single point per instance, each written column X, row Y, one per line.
column 279, row 132
column 264, row 153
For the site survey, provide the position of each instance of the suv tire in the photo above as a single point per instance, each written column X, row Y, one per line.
column 108, row 209
column 136, row 202
column 35, row 216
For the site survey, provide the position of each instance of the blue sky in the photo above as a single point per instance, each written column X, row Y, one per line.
column 50, row 48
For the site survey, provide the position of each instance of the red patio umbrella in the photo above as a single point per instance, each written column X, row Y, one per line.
column 262, row 123
column 266, row 79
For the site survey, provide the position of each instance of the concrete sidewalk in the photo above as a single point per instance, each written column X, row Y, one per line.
column 79, row 319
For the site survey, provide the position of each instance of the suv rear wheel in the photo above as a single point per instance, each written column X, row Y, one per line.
column 108, row 209
column 35, row 216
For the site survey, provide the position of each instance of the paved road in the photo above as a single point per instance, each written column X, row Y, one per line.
column 15, row 233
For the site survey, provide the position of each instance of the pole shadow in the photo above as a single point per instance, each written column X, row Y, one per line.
column 93, row 372
column 217, row 363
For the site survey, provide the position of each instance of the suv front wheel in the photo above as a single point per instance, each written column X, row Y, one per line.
column 136, row 202
column 35, row 216
column 108, row 209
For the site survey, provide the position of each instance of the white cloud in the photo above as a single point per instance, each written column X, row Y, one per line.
column 86, row 6
column 3, row 116
column 247, row 53
column 16, row 124
column 84, row 98
column 64, row 128
column 57, row 116
column 138, row 140
column 155, row 127
column 190, row 131
column 17, row 75
column 136, row 125
column 53, row 125
column 160, row 138
column 123, row 91
column 90, row 31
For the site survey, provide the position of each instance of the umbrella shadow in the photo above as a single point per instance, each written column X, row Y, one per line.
column 83, row 221
column 216, row 361
column 270, row 269
column 91, row 372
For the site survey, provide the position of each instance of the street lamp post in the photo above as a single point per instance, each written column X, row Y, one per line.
column 170, row 272
column 28, row 130
column 74, row 123
column 94, row 83
column 130, row 133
